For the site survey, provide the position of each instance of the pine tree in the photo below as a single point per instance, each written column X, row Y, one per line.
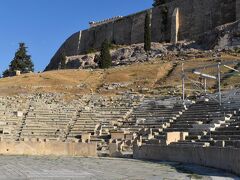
column 147, row 33
column 158, row 2
column 6, row 73
column 105, row 56
column 21, row 62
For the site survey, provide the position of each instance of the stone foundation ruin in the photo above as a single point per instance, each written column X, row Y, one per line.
column 123, row 126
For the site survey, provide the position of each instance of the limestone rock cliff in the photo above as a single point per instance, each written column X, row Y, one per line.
column 225, row 37
column 195, row 17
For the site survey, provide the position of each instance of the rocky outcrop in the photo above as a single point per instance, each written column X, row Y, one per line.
column 125, row 55
column 196, row 17
column 225, row 37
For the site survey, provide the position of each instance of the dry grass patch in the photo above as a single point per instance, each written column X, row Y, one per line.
column 141, row 75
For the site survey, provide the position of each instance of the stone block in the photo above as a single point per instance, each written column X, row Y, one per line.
column 173, row 137
column 86, row 137
column 34, row 139
column 183, row 135
column 129, row 136
column 26, row 139
column 114, row 150
column 17, row 73
column 7, row 130
column 117, row 135
column 19, row 114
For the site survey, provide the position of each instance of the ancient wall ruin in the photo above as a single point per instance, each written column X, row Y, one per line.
column 48, row 148
column 221, row 158
column 94, row 24
column 195, row 17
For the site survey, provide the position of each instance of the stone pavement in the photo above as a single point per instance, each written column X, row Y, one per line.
column 26, row 167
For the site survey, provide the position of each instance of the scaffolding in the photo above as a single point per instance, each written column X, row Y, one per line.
column 202, row 87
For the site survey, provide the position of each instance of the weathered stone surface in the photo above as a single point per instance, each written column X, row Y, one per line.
column 175, row 26
column 223, row 158
column 237, row 9
column 122, row 56
column 48, row 148
column 223, row 37
column 27, row 167
column 196, row 17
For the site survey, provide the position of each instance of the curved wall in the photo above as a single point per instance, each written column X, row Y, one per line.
column 220, row 158
column 48, row 148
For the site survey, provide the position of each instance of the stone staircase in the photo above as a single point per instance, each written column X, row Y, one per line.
column 201, row 120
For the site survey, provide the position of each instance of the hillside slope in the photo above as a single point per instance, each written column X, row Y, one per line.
column 87, row 81
column 157, row 76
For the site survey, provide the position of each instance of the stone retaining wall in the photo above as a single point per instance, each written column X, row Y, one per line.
column 237, row 9
column 48, row 148
column 195, row 17
column 221, row 158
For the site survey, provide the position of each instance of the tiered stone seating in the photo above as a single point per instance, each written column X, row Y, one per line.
column 9, row 125
column 147, row 122
column 49, row 123
column 204, row 120
column 100, row 118
column 122, row 120
column 228, row 134
column 198, row 114
column 151, row 114
column 12, row 114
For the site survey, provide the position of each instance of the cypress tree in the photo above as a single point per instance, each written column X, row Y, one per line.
column 158, row 2
column 63, row 61
column 147, row 33
column 105, row 60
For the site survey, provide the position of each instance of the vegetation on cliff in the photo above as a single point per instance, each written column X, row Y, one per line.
column 105, row 60
column 158, row 2
column 147, row 33
column 63, row 61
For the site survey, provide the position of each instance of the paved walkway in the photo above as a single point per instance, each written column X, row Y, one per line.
column 24, row 167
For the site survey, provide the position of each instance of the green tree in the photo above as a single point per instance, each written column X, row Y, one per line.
column 147, row 33
column 164, row 12
column 105, row 60
column 63, row 61
column 6, row 73
column 21, row 62
column 158, row 2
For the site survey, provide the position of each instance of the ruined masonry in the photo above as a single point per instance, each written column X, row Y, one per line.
column 175, row 21
column 123, row 126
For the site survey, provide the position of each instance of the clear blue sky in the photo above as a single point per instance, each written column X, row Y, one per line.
column 44, row 24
